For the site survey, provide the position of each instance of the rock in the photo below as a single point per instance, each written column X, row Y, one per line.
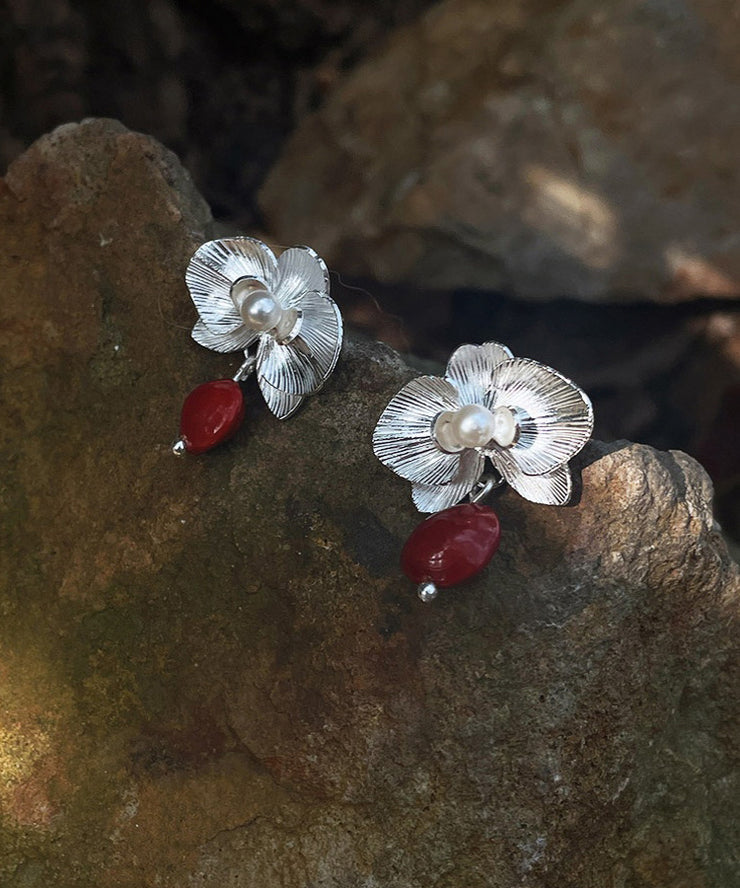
column 213, row 671
column 544, row 149
column 220, row 83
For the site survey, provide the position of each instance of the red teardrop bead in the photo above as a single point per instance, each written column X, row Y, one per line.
column 452, row 545
column 211, row 414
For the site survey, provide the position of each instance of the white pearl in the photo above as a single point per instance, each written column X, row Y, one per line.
column 505, row 427
column 258, row 307
column 260, row 311
column 472, row 426
column 443, row 433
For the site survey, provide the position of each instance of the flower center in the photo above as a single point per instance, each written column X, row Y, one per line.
column 475, row 426
column 257, row 306
column 261, row 311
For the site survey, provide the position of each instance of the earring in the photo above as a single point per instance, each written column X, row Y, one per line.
column 527, row 419
column 278, row 312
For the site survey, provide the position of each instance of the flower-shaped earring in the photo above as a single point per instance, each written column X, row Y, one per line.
column 524, row 417
column 278, row 312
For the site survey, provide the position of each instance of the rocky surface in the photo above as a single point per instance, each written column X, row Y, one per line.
column 541, row 148
column 221, row 83
column 211, row 670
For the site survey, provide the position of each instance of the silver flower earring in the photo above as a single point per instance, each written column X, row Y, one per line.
column 278, row 312
column 527, row 419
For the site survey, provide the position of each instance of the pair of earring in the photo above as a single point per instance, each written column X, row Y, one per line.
column 440, row 433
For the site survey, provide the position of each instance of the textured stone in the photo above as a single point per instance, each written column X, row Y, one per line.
column 221, row 83
column 540, row 147
column 212, row 670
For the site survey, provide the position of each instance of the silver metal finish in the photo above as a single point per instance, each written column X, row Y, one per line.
column 179, row 448
column 486, row 484
column 427, row 591
column 232, row 258
column 300, row 270
column 215, row 267
column 554, row 419
column 246, row 369
column 435, row 497
column 469, row 369
column 282, row 405
column 551, row 489
column 301, row 366
column 403, row 438
column 296, row 356
column 238, row 340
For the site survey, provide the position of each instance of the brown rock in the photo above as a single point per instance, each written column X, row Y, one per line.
column 541, row 148
column 220, row 83
column 212, row 671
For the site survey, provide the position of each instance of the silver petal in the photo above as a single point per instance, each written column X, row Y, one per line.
column 211, row 293
column 237, row 340
column 470, row 367
column 301, row 366
column 239, row 257
column 555, row 417
column 403, row 436
column 435, row 497
column 285, row 368
column 320, row 333
column 282, row 404
column 300, row 270
column 551, row 489
column 213, row 269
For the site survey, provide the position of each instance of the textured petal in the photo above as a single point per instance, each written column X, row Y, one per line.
column 214, row 268
column 240, row 257
column 302, row 365
column 470, row 368
column 435, row 497
column 555, row 416
column 238, row 340
column 211, row 293
column 281, row 404
column 285, row 368
column 300, row 270
column 403, row 436
column 320, row 333
column 551, row 489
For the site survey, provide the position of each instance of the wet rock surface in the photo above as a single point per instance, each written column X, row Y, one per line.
column 541, row 148
column 212, row 671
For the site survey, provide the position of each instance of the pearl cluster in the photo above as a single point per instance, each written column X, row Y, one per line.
column 259, row 309
column 475, row 426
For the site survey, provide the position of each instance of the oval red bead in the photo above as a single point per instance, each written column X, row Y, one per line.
column 211, row 414
column 452, row 545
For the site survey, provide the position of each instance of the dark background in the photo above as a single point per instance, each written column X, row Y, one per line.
column 224, row 83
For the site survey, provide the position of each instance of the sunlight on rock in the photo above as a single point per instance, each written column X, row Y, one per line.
column 28, row 763
column 20, row 749
column 576, row 219
column 692, row 274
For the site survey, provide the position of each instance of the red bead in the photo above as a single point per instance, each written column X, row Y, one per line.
column 211, row 414
column 452, row 545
